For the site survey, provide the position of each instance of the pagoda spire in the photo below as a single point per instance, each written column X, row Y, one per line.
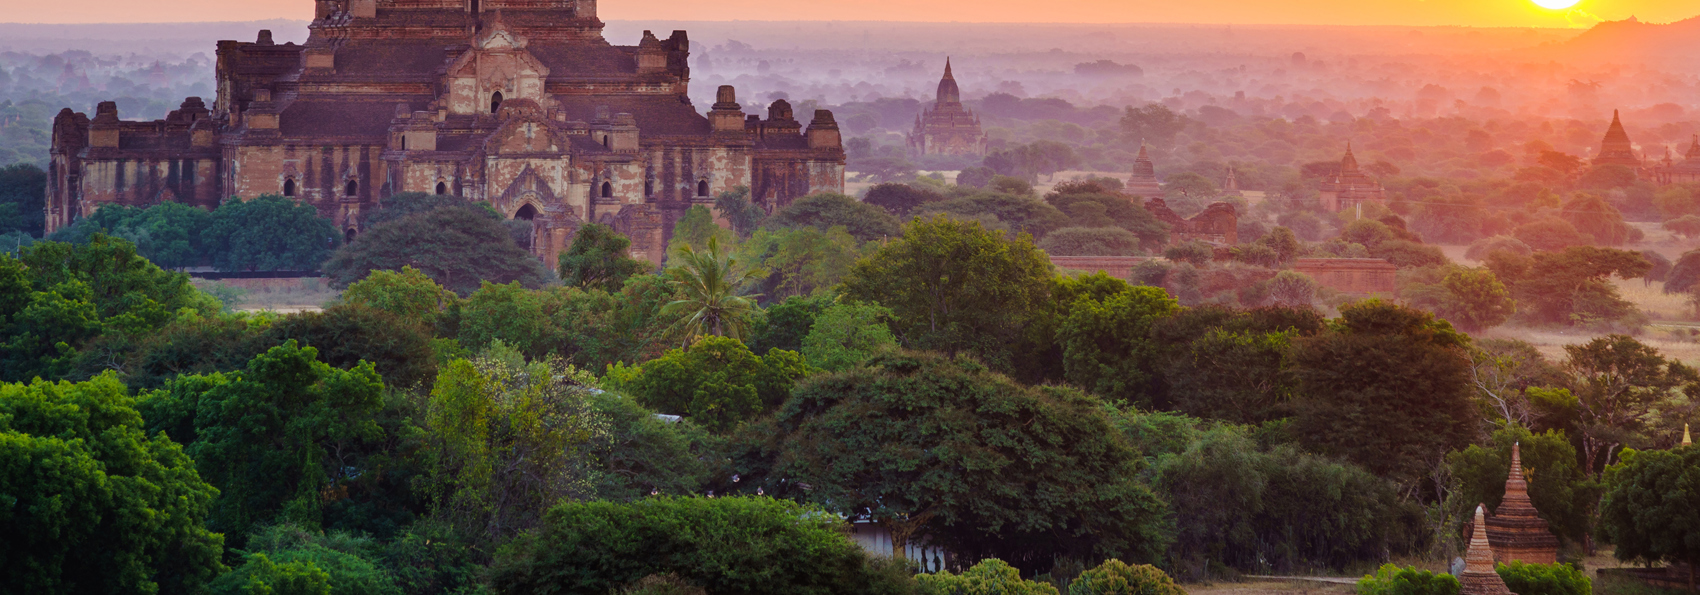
column 947, row 68
column 1686, row 441
column 1479, row 577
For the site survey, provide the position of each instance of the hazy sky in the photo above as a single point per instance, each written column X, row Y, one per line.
column 1485, row 13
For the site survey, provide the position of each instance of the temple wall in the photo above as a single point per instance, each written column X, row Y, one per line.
column 321, row 175
column 148, row 181
column 1350, row 275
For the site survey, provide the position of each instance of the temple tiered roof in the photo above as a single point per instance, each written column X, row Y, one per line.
column 1479, row 577
column 1143, row 183
column 1516, row 531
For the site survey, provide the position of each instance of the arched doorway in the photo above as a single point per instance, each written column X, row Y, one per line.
column 649, row 187
column 348, row 236
column 495, row 102
column 607, row 190
column 289, row 187
column 442, row 188
column 702, row 188
column 526, row 213
column 352, row 188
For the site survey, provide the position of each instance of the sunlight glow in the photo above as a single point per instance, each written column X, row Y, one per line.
column 1556, row 4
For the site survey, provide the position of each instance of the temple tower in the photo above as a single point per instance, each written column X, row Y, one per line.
column 1686, row 441
column 1351, row 187
column 947, row 128
column 1479, row 577
column 1616, row 149
column 1143, row 183
column 1515, row 531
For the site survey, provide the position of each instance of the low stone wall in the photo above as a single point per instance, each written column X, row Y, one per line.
column 1350, row 275
column 1359, row 276
column 272, row 284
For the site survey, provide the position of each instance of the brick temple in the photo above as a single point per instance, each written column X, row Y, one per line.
column 518, row 103
column 1351, row 187
column 947, row 128
column 1479, row 577
column 1143, row 182
column 1515, row 531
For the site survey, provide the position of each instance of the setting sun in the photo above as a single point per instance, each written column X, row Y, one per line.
column 1556, row 4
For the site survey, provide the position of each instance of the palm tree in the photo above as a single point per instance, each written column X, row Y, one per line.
column 708, row 283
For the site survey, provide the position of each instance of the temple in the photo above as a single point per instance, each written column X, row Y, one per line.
column 1686, row 171
column 518, row 103
column 1615, row 148
column 1351, row 187
column 1479, row 577
column 1143, row 183
column 947, row 128
column 1515, row 531
column 1217, row 225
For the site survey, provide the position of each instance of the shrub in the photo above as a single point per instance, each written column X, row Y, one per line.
column 1393, row 580
column 1482, row 247
column 990, row 577
column 1196, row 252
column 783, row 547
column 1114, row 577
column 1544, row 579
column 662, row 584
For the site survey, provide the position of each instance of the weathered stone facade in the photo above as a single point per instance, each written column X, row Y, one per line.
column 1515, row 531
column 519, row 103
column 947, row 128
column 1357, row 276
column 1479, row 577
column 1351, row 187
column 1218, row 224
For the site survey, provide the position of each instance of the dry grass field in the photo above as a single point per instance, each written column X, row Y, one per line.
column 308, row 295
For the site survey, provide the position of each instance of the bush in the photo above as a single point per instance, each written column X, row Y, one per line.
column 1482, row 247
column 662, row 584
column 1393, row 580
column 990, row 577
column 1196, row 252
column 1090, row 241
column 1544, row 579
column 1114, row 577
column 783, row 547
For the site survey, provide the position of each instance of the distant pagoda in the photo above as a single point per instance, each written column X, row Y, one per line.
column 1350, row 187
column 1616, row 149
column 1143, row 182
column 1479, row 577
column 1515, row 531
column 947, row 128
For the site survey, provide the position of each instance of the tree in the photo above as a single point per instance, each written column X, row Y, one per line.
column 990, row 576
column 900, row 199
column 1475, row 300
column 708, row 284
column 271, row 437
column 1018, row 213
column 904, row 441
column 1085, row 208
column 401, row 205
column 641, row 455
column 1687, row 226
column 598, row 259
column 1549, row 234
column 800, row 261
column 735, row 206
column 825, row 210
column 1226, row 364
column 349, row 335
column 1393, row 580
column 23, row 198
column 1190, row 187
column 1090, row 241
column 408, row 294
column 1563, row 162
column 1544, row 579
column 1619, row 383
column 1115, row 577
column 1195, row 252
column 782, row 548
column 1292, row 288
column 1479, row 249
column 695, row 228
column 975, row 177
column 717, row 382
column 459, row 247
column 845, row 335
column 1684, row 274
column 1155, row 123
column 1569, row 286
column 93, row 503
column 507, row 440
column 1105, row 342
column 1558, row 486
column 1650, row 511
column 954, row 286
column 169, row 234
column 1388, row 389
column 788, row 322
column 1595, row 218
column 269, row 233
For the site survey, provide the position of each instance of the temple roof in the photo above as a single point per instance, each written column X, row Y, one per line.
column 948, row 93
column 1349, row 163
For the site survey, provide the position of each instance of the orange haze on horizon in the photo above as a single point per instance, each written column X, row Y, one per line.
column 1473, row 13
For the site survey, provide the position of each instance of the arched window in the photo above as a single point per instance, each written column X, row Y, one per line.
column 348, row 236
column 495, row 102
column 702, row 188
column 605, row 143
column 442, row 188
column 526, row 212
column 404, row 142
column 473, row 4
column 607, row 190
column 289, row 187
column 649, row 187
column 352, row 189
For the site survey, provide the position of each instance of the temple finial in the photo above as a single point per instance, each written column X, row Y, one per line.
column 1686, row 441
column 947, row 67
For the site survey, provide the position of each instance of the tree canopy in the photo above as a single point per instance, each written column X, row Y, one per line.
column 459, row 247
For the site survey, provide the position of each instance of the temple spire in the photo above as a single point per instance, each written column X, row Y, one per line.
column 1479, row 577
column 1686, row 441
column 947, row 68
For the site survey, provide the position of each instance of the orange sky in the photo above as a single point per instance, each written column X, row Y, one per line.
column 1483, row 13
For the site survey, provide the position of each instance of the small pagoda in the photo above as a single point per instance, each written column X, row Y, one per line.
column 1615, row 148
column 1479, row 577
column 1143, row 183
column 1515, row 531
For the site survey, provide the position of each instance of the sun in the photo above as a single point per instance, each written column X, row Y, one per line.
column 1556, row 4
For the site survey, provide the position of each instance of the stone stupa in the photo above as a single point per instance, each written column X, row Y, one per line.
column 1479, row 577
column 1515, row 531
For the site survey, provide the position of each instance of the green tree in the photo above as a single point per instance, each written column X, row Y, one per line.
column 978, row 464
column 1106, row 346
column 1115, row 577
column 408, row 294
column 1086, row 208
column 348, row 335
column 459, row 247
column 1155, row 123
column 1549, row 235
column 641, row 454
column 1597, row 219
column 598, row 259
column 694, row 229
column 1687, row 226
column 1090, row 241
column 269, row 233
column 1393, row 580
column 1475, row 299
column 900, row 199
column 735, row 206
column 1569, row 286
column 258, row 575
column 1651, row 511
column 782, row 548
column 708, row 286
column 1558, row 486
column 716, row 381
column 1293, row 289
column 1016, row 213
column 1544, row 579
column 508, row 439
column 846, row 335
column 1195, row 252
column 92, row 503
column 789, row 322
column 1388, row 388
column 955, row 286
column 800, row 261
column 825, row 210
column 1220, row 363
column 1619, row 383
column 23, row 198
column 1684, row 274
column 272, row 437
column 347, row 561
column 990, row 576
